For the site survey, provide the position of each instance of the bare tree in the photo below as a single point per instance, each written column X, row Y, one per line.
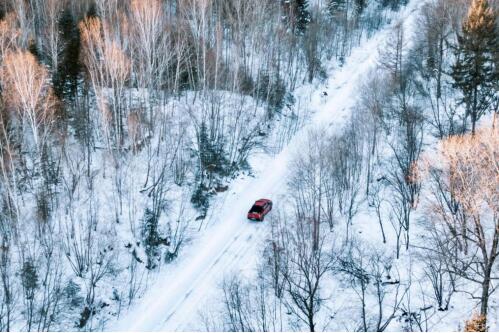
column 443, row 280
column 406, row 120
column 237, row 305
column 51, row 282
column 200, row 28
column 108, row 67
column 374, row 100
column 371, row 274
column 7, row 296
column 149, row 40
column 9, row 34
column 327, row 180
column 468, row 169
column 50, row 12
column 348, row 159
column 303, row 269
column 375, row 200
column 307, row 183
column 91, row 254
column 435, row 45
column 150, row 44
column 24, row 21
column 28, row 91
column 250, row 306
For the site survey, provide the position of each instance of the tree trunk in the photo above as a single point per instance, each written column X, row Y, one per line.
column 485, row 294
column 311, row 324
column 474, row 110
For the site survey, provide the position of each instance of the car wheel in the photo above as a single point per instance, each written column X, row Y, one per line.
column 261, row 219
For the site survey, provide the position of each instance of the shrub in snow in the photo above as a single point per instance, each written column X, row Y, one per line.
column 477, row 323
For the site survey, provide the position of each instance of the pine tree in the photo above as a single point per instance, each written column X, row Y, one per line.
column 206, row 150
column 3, row 10
column 212, row 163
column 297, row 16
column 29, row 279
column 150, row 237
column 474, row 72
column 303, row 16
column 68, row 71
column 393, row 4
column 92, row 11
column 211, row 154
column 360, row 5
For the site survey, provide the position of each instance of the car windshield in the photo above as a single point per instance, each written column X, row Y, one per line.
column 256, row 209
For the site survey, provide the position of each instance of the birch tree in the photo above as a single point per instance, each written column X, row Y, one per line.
column 469, row 169
column 27, row 90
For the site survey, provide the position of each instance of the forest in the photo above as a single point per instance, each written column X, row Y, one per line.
column 125, row 124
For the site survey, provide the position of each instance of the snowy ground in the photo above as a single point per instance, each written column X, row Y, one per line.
column 230, row 242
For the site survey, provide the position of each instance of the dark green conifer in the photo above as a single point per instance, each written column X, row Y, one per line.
column 474, row 72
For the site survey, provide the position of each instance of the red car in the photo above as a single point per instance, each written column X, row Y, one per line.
column 261, row 208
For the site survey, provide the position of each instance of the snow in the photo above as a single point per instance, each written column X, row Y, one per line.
column 230, row 242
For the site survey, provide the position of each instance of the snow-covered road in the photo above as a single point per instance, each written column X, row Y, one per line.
column 231, row 242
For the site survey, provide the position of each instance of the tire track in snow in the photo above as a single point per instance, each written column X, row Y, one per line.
column 219, row 266
column 232, row 253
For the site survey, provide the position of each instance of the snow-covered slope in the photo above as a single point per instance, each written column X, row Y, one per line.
column 231, row 242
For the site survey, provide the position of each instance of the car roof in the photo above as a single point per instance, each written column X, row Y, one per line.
column 261, row 201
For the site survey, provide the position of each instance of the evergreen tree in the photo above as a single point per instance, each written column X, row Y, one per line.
column 92, row 11
column 303, row 16
column 393, row 4
column 474, row 72
column 29, row 279
column 34, row 50
column 150, row 237
column 271, row 90
column 297, row 15
column 211, row 154
column 360, row 5
column 212, row 163
column 67, row 75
